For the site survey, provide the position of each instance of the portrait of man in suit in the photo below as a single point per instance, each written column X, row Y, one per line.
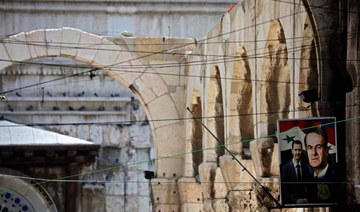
column 294, row 176
column 322, row 188
column 308, row 162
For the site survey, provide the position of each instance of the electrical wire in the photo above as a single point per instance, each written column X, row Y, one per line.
column 222, row 58
column 221, row 34
column 122, row 166
column 105, row 67
column 45, row 44
column 147, row 182
column 175, row 119
column 142, row 121
column 336, row 10
column 167, row 156
column 95, row 46
column 312, row 6
column 179, row 119
column 215, row 61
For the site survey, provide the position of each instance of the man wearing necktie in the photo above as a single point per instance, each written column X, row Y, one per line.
column 324, row 187
column 294, row 174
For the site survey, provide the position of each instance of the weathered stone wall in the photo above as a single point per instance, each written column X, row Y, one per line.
column 267, row 45
column 188, row 18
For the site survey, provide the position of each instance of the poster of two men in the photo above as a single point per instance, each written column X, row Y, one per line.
column 308, row 161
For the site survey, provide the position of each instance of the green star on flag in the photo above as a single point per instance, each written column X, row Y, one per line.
column 289, row 138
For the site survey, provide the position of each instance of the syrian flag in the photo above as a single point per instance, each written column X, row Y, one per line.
column 286, row 138
column 295, row 129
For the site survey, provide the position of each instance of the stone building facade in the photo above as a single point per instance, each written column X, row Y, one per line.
column 95, row 107
column 245, row 74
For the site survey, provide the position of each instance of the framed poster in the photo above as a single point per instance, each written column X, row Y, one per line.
column 308, row 162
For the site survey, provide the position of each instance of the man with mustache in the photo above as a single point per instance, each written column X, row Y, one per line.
column 322, row 190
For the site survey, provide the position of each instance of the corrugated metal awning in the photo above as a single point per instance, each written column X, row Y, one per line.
column 16, row 134
column 23, row 145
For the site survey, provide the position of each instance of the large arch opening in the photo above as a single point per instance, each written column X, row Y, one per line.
column 275, row 86
column 126, row 134
column 92, row 107
column 241, row 106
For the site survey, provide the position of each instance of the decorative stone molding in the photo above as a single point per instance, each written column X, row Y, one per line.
column 45, row 72
column 242, row 200
column 123, row 7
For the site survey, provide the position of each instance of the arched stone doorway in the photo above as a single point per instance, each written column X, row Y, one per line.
column 113, row 59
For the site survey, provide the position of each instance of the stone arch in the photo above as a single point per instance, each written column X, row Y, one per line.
column 275, row 80
column 109, row 57
column 241, row 105
column 308, row 73
column 215, row 116
column 75, row 44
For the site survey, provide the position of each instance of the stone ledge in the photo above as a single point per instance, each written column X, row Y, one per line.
column 69, row 99
column 68, row 113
